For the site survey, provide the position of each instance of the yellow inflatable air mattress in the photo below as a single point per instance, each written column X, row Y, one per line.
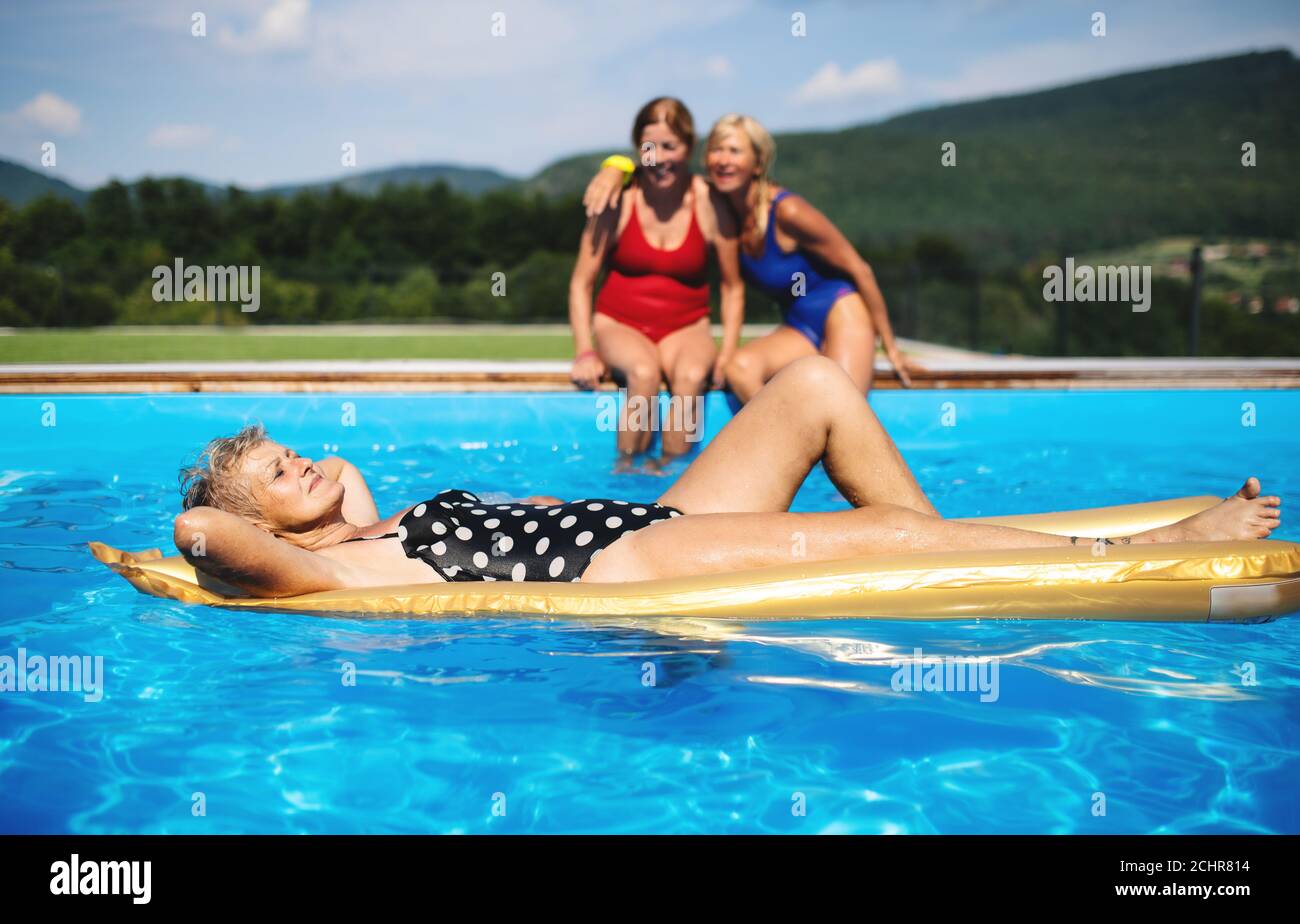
column 1168, row 582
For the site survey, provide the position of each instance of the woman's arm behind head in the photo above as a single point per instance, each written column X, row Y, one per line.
column 358, row 503
column 230, row 548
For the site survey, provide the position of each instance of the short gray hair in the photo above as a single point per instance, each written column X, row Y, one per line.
column 214, row 479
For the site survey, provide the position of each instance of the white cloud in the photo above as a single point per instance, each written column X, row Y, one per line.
column 177, row 135
column 1030, row 67
column 400, row 39
column 283, row 25
column 718, row 66
column 48, row 112
column 1054, row 62
column 870, row 78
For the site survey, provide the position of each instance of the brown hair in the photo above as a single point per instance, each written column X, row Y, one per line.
column 673, row 113
column 214, row 480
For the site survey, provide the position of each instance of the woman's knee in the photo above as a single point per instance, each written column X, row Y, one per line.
column 643, row 377
column 689, row 378
column 744, row 366
column 818, row 374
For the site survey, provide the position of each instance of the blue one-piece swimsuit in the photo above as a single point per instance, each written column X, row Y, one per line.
column 774, row 271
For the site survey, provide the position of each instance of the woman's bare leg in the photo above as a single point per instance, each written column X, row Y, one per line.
column 754, row 364
column 850, row 340
column 810, row 412
column 687, row 357
column 727, row 542
column 634, row 355
column 723, row 542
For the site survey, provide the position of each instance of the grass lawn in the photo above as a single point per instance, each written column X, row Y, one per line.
column 113, row 347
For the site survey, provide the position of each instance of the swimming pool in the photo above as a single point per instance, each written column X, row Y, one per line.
column 534, row 726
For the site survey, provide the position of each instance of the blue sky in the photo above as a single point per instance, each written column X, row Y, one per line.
column 275, row 87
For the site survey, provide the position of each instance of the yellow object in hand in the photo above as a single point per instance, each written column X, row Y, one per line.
column 626, row 164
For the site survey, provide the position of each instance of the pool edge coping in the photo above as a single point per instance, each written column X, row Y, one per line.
column 552, row 376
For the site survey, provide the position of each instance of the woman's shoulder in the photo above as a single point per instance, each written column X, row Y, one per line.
column 608, row 225
column 711, row 209
column 792, row 211
column 617, row 219
column 786, row 203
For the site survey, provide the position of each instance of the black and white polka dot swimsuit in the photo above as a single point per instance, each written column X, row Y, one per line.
column 464, row 539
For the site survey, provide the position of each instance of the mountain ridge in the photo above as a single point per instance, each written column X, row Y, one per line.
column 1107, row 160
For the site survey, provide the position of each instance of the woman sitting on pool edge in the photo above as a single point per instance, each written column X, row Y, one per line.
column 273, row 523
column 651, row 320
column 830, row 301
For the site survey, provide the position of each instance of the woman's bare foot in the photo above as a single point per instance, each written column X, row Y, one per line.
column 1245, row 515
column 657, row 466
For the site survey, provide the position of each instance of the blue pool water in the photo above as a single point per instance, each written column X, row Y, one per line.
column 450, row 721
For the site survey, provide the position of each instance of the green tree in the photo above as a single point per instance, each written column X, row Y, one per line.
column 110, row 213
column 43, row 226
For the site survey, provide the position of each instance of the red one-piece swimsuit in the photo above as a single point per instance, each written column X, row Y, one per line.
column 656, row 291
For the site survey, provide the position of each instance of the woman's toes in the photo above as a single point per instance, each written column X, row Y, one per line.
column 1250, row 489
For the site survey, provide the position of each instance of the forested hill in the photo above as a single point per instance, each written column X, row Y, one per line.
column 1096, row 164
column 1137, row 159
column 19, row 184
column 471, row 180
column 1104, row 163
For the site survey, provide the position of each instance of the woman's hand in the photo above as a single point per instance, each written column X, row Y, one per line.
column 903, row 366
column 720, row 369
column 604, row 191
column 543, row 499
column 358, row 503
column 588, row 369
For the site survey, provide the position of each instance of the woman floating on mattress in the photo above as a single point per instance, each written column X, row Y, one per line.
column 273, row 523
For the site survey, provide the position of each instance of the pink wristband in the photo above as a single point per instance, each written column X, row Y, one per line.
column 586, row 353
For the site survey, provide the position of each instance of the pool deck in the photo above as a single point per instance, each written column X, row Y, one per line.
column 943, row 369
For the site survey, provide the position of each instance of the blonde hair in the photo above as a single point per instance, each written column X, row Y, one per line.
column 214, row 478
column 760, row 139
